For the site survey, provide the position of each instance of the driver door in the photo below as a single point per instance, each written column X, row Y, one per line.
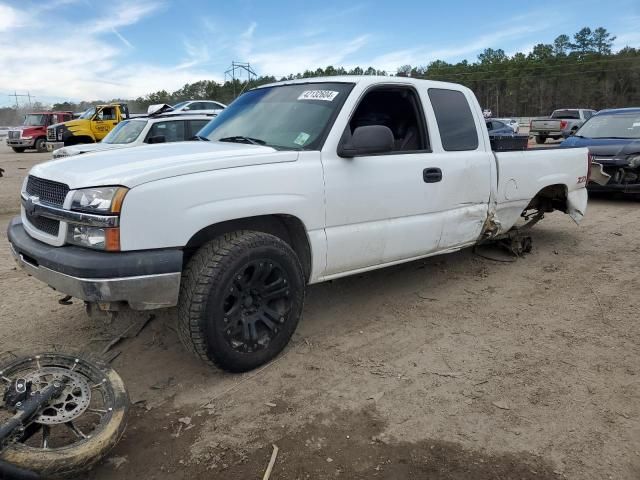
column 103, row 121
column 380, row 208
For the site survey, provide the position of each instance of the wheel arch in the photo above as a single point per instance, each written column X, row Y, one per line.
column 550, row 198
column 288, row 228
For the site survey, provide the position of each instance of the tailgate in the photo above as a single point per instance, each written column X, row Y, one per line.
column 547, row 124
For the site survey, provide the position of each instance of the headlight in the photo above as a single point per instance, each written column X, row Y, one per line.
column 29, row 137
column 99, row 200
column 634, row 161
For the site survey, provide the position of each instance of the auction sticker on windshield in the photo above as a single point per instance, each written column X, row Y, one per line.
column 325, row 95
column 302, row 138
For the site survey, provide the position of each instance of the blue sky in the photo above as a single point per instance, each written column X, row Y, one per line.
column 90, row 49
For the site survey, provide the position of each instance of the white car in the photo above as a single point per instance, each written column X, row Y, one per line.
column 512, row 122
column 141, row 131
column 296, row 182
column 199, row 106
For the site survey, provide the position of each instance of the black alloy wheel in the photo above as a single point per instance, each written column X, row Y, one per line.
column 256, row 305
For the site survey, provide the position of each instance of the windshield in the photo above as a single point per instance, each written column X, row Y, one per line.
column 612, row 126
column 179, row 105
column 288, row 117
column 88, row 113
column 33, row 120
column 566, row 114
column 125, row 132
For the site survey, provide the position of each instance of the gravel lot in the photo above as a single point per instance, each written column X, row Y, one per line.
column 453, row 367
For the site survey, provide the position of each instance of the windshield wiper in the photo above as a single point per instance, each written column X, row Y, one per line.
column 241, row 139
column 200, row 137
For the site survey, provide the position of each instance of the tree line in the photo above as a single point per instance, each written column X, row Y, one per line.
column 577, row 71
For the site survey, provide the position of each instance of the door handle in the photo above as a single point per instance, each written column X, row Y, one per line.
column 431, row 175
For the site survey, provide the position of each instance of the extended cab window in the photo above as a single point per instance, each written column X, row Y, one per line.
column 398, row 109
column 455, row 121
column 171, row 131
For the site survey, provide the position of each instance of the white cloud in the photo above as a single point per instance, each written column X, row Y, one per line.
column 9, row 18
column 85, row 63
column 293, row 59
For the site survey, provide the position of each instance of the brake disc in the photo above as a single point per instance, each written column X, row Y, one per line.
column 72, row 402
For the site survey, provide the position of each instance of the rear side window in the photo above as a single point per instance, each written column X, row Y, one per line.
column 455, row 120
column 172, row 131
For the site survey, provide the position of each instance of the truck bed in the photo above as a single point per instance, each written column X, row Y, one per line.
column 522, row 175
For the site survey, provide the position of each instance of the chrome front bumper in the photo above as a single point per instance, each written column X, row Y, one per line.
column 20, row 143
column 141, row 293
column 144, row 280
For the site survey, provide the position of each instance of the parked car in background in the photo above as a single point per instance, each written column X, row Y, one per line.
column 90, row 127
column 512, row 122
column 141, row 131
column 33, row 131
column 561, row 124
column 498, row 127
column 199, row 106
column 215, row 227
column 613, row 139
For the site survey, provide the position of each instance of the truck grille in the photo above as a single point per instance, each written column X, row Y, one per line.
column 46, row 225
column 14, row 134
column 51, row 134
column 48, row 191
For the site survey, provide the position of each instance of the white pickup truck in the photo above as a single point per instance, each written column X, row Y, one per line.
column 294, row 183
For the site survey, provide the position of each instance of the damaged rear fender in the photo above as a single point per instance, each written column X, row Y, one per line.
column 577, row 204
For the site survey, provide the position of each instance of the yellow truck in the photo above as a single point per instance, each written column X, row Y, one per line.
column 90, row 127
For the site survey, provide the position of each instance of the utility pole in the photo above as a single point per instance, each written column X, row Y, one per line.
column 240, row 67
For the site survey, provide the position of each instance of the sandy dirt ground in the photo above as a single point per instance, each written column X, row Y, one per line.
column 454, row 367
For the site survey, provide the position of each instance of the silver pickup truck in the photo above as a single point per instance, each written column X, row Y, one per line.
column 561, row 124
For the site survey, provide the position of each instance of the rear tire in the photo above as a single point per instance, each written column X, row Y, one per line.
column 18, row 149
column 540, row 139
column 241, row 298
column 40, row 145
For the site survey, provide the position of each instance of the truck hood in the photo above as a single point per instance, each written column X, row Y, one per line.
column 614, row 147
column 134, row 166
column 28, row 130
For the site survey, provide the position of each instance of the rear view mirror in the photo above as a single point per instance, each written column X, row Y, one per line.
column 368, row 140
column 157, row 139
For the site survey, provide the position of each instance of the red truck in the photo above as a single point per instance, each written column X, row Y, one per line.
column 33, row 131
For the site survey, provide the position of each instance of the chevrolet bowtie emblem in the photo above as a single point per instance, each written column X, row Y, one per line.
column 30, row 205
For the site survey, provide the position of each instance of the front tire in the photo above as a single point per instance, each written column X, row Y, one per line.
column 540, row 139
column 40, row 145
column 241, row 298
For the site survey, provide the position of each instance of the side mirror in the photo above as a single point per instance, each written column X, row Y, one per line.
column 157, row 139
column 368, row 140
